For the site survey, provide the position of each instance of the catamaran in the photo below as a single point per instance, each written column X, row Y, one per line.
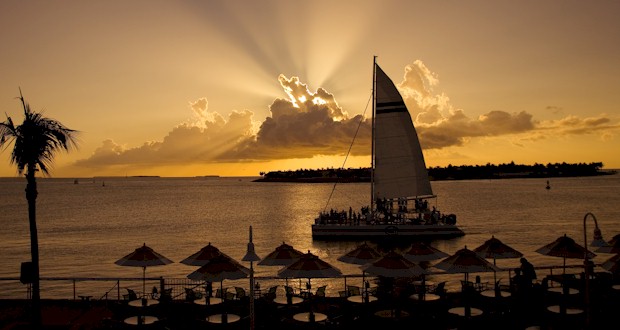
column 400, row 185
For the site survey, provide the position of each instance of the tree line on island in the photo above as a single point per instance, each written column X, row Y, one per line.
column 450, row 172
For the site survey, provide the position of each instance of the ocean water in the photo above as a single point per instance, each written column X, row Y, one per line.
column 85, row 227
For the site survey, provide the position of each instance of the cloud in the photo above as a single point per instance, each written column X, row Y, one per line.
column 307, row 124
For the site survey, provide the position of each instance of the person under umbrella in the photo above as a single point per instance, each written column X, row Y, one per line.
column 143, row 257
column 218, row 269
column 466, row 261
column 309, row 266
column 361, row 255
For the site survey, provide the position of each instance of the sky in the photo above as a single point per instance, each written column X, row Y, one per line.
column 239, row 87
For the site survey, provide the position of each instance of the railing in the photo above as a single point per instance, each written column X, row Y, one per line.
column 115, row 288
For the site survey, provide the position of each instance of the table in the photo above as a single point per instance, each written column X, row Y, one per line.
column 569, row 311
column 212, row 301
column 460, row 311
column 491, row 294
column 217, row 318
column 305, row 317
column 145, row 303
column 133, row 320
column 559, row 289
column 425, row 297
column 284, row 301
column 360, row 299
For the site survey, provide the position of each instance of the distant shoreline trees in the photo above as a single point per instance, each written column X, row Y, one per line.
column 461, row 172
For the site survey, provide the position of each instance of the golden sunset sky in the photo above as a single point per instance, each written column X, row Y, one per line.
column 185, row 88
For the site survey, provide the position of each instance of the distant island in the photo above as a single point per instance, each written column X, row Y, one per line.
column 462, row 172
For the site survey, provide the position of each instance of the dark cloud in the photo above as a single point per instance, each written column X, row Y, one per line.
column 308, row 124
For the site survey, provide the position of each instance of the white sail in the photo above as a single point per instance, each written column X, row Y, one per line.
column 399, row 167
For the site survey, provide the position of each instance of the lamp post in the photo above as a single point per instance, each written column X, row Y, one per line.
column 251, row 256
column 597, row 241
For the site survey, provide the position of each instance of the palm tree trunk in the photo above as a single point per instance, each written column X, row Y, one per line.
column 31, row 196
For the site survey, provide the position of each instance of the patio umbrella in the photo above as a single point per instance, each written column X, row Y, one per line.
column 218, row 269
column 420, row 251
column 203, row 256
column 393, row 264
column 466, row 261
column 614, row 246
column 565, row 247
column 496, row 249
column 309, row 266
column 283, row 255
column 361, row 255
column 143, row 257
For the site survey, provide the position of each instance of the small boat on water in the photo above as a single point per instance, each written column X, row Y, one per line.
column 400, row 186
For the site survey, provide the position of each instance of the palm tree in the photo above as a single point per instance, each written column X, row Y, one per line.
column 36, row 141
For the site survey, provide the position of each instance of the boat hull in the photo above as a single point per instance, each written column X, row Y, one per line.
column 362, row 231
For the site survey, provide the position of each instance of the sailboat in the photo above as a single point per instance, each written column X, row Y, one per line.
column 400, row 185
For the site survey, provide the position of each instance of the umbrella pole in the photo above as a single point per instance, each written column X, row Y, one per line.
column 224, row 315
column 144, row 282
column 311, row 314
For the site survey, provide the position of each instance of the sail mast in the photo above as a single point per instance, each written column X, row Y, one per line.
column 372, row 150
